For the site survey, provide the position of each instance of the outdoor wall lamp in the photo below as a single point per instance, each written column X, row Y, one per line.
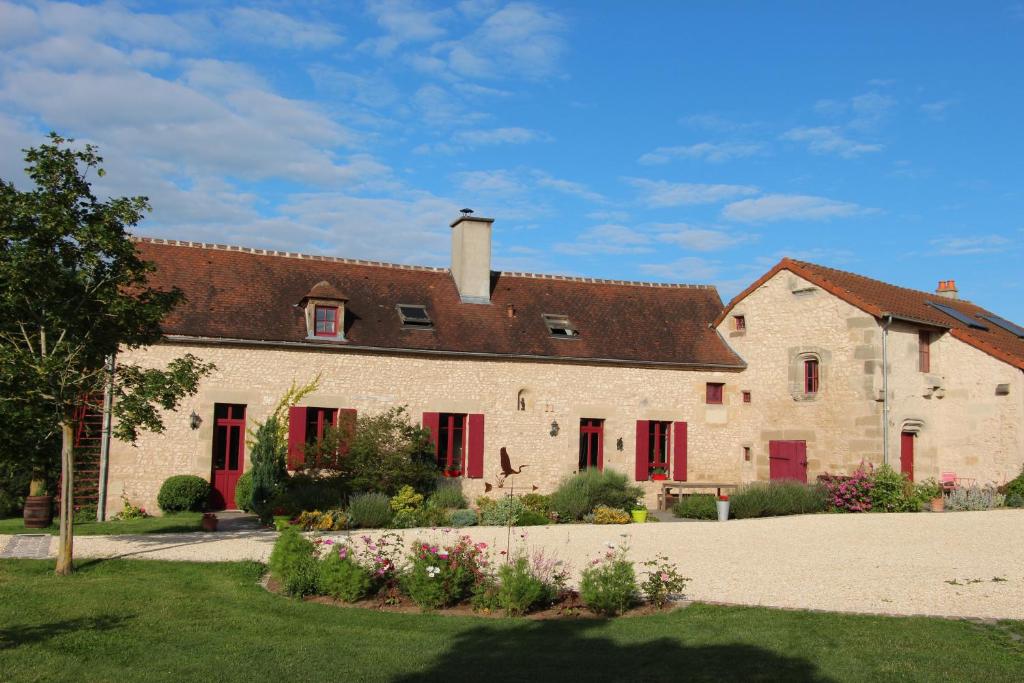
column 618, row 444
column 554, row 428
column 194, row 420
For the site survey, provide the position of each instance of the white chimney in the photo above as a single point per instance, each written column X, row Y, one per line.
column 471, row 257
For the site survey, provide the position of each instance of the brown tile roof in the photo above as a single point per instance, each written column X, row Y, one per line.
column 880, row 299
column 250, row 294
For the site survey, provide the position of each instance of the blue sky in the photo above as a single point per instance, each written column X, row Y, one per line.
column 683, row 142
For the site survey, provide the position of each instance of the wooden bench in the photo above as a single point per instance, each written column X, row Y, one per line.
column 681, row 485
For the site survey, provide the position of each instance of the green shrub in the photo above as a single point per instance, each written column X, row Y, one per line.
column 607, row 515
column 503, row 513
column 775, row 498
column 440, row 577
column 183, row 493
column 1014, row 486
column 892, row 492
column 579, row 494
column 1014, row 500
column 696, row 506
column 302, row 491
column 447, row 496
column 925, row 491
column 519, row 590
column 537, row 502
column 342, row 578
column 461, row 518
column 609, row 588
column 293, row 563
column 974, row 498
column 369, row 510
column 406, row 500
column 314, row 520
column 532, row 518
column 243, row 491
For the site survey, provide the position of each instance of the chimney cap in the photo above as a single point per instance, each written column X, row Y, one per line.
column 947, row 285
column 469, row 217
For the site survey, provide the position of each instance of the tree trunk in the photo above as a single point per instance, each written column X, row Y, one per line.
column 65, row 553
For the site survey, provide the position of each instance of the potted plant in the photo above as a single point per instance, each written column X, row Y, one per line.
column 639, row 513
column 659, row 473
column 930, row 493
column 209, row 521
column 723, row 508
column 38, row 513
column 452, row 473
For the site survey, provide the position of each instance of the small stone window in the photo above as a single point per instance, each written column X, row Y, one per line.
column 714, row 393
column 806, row 373
column 560, row 326
column 739, row 323
column 747, row 396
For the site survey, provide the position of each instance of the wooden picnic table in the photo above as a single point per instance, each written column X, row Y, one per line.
column 669, row 485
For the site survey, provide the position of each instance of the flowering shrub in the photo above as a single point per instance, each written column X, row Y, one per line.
column 342, row 577
column 607, row 515
column 293, row 562
column 442, row 576
column 519, row 590
column 129, row 511
column 892, row 491
column 663, row 580
column 850, row 493
column 314, row 520
column 974, row 498
column 608, row 586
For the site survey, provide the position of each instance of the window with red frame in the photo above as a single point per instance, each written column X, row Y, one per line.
column 924, row 351
column 591, row 444
column 317, row 420
column 326, row 321
column 746, row 397
column 811, row 376
column 740, row 322
column 451, row 442
column 658, row 444
column 715, row 391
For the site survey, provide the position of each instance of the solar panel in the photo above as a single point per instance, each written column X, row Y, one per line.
column 957, row 315
column 413, row 315
column 1005, row 324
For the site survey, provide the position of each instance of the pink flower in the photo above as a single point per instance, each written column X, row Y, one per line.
column 328, row 542
column 664, row 576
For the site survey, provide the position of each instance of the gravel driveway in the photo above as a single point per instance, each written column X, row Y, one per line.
column 954, row 564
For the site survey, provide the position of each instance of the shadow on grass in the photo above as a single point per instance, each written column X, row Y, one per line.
column 562, row 650
column 15, row 636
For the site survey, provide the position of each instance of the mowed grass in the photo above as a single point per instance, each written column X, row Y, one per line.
column 167, row 524
column 123, row 620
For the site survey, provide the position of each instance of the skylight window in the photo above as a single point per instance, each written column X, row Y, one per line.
column 559, row 326
column 957, row 315
column 1005, row 324
column 414, row 315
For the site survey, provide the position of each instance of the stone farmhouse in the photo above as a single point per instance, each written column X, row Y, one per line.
column 809, row 370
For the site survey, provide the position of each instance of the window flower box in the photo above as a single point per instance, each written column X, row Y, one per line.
column 452, row 474
column 659, row 473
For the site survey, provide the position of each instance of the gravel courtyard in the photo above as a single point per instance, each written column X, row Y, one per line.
column 968, row 564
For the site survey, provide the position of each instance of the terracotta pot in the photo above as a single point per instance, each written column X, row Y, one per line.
column 209, row 522
column 38, row 512
column 938, row 504
column 659, row 477
column 452, row 474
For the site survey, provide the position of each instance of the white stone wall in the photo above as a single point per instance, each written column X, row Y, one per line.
column 371, row 383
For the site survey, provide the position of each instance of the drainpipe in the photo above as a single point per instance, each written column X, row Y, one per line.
column 108, row 404
column 885, row 389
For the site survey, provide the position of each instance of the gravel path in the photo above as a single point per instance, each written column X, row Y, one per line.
column 890, row 564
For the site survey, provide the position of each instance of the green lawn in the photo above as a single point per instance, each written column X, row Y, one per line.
column 182, row 521
column 120, row 620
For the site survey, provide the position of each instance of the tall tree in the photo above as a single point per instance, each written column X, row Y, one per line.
column 73, row 292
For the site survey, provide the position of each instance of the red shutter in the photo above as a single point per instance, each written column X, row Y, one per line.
column 296, row 437
column 432, row 422
column 679, row 447
column 643, row 455
column 345, row 419
column 475, row 462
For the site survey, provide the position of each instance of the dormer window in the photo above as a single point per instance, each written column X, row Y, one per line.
column 559, row 326
column 414, row 316
column 324, row 308
column 326, row 320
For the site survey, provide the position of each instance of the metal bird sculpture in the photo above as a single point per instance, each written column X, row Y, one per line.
column 506, row 468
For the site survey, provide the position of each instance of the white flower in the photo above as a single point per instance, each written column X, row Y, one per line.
column 433, row 571
column 610, row 545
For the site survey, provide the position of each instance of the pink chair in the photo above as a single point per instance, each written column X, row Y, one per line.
column 947, row 481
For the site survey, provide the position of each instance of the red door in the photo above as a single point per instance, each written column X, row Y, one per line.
column 228, row 454
column 907, row 454
column 787, row 460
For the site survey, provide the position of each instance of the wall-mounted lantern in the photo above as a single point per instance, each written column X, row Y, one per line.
column 554, row 428
column 618, row 444
column 194, row 421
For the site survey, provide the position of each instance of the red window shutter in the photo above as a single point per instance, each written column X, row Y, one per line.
column 345, row 419
column 643, row 455
column 432, row 422
column 475, row 446
column 296, row 437
column 679, row 447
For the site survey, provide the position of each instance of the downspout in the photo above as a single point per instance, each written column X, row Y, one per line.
column 108, row 404
column 885, row 389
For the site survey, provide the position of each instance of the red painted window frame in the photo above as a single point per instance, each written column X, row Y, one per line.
column 740, row 323
column 747, row 397
column 659, row 433
column 588, row 427
column 924, row 351
column 746, row 453
column 714, row 393
column 333, row 331
column 811, row 376
column 445, row 446
column 325, row 417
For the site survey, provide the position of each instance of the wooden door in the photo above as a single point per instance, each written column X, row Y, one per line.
column 907, row 454
column 228, row 454
column 787, row 460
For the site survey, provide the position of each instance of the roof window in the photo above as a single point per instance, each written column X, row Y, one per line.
column 414, row 315
column 957, row 315
column 559, row 326
column 1005, row 324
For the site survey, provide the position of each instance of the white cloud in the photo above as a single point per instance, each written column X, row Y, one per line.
column 698, row 239
column 714, row 122
column 962, row 246
column 497, row 136
column 661, row 193
column 497, row 182
column 111, row 20
column 266, row 27
column 937, row 110
column 608, row 238
column 778, row 207
column 405, row 21
column 828, row 140
column 690, row 269
column 569, row 187
column 709, row 151
column 439, row 107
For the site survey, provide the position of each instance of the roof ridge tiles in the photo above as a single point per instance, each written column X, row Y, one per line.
column 880, row 282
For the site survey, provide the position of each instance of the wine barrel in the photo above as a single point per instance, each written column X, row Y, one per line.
column 38, row 512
